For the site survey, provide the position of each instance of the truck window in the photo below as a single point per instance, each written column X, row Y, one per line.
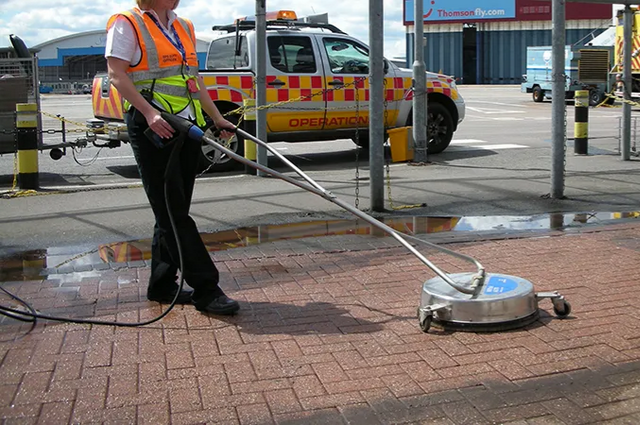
column 222, row 54
column 346, row 56
column 292, row 54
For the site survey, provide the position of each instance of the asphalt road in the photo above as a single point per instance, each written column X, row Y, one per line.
column 499, row 119
column 498, row 165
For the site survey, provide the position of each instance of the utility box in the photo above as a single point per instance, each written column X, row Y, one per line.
column 17, row 85
column 401, row 143
column 12, row 90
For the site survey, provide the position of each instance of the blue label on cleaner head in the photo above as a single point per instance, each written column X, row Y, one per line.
column 499, row 285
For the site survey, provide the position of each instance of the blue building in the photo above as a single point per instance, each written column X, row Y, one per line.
column 485, row 41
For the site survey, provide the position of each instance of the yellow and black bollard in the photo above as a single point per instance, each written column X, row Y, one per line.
column 581, row 130
column 250, row 148
column 27, row 141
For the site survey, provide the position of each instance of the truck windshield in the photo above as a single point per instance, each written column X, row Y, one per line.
column 222, row 54
column 346, row 56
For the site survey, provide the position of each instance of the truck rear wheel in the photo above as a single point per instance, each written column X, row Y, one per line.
column 538, row 94
column 213, row 161
column 596, row 97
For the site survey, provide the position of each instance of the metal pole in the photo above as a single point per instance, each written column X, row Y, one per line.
column 261, row 81
column 625, row 144
column 376, row 105
column 419, row 86
column 558, row 120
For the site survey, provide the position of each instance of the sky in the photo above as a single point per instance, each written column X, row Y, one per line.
column 38, row 21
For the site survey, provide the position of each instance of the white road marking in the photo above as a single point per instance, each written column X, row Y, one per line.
column 475, row 144
column 493, row 111
column 497, row 103
column 467, row 141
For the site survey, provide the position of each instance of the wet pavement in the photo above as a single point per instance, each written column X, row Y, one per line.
column 327, row 332
column 137, row 253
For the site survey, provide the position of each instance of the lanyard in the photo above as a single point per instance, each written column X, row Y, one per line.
column 177, row 43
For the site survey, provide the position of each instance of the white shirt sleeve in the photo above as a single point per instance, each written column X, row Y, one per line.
column 122, row 42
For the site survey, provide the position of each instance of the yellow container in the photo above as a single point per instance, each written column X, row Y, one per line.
column 401, row 142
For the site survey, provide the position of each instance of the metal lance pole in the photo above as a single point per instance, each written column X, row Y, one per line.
column 558, row 123
column 376, row 105
column 420, row 137
column 625, row 147
column 261, row 81
column 581, row 126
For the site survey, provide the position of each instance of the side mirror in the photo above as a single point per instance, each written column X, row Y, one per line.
column 386, row 66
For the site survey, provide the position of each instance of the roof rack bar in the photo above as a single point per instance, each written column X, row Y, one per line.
column 249, row 25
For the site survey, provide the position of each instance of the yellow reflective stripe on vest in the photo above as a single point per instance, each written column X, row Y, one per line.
column 164, row 73
column 165, row 86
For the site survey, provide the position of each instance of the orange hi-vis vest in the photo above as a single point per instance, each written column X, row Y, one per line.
column 162, row 68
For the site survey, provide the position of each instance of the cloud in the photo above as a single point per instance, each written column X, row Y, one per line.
column 39, row 21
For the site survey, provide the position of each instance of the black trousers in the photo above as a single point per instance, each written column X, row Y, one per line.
column 199, row 270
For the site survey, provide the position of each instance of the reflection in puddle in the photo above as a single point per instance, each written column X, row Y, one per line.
column 30, row 265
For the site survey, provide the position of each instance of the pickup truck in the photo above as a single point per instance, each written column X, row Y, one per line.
column 317, row 89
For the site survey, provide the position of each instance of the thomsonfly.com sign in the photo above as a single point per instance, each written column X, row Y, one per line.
column 457, row 10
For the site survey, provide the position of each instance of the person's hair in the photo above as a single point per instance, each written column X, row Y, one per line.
column 149, row 4
column 145, row 4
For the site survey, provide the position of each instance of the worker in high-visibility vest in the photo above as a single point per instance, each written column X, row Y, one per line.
column 152, row 62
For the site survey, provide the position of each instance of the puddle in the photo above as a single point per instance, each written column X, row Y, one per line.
column 32, row 265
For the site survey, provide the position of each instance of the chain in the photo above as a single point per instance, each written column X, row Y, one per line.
column 385, row 103
column 15, row 170
column 388, row 160
column 357, row 140
column 564, row 143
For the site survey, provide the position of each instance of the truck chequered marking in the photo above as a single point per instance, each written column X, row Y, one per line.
column 235, row 88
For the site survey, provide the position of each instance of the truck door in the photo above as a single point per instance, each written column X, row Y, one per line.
column 347, row 85
column 294, row 72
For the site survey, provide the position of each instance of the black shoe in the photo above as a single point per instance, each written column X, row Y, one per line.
column 183, row 298
column 222, row 305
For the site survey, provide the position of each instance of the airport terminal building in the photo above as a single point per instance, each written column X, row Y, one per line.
column 485, row 41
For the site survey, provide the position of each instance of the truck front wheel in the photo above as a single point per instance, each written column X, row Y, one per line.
column 439, row 127
column 538, row 94
column 213, row 161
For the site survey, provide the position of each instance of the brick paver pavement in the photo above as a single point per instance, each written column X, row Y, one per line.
column 328, row 334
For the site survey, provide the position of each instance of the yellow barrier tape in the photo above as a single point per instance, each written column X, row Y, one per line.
column 62, row 119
